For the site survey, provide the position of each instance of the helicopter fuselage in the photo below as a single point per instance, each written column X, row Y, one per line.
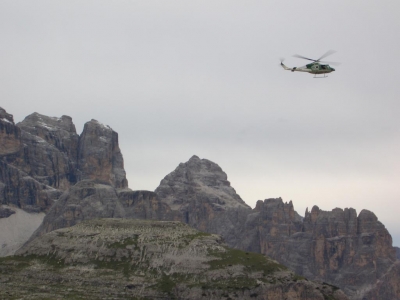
column 313, row 68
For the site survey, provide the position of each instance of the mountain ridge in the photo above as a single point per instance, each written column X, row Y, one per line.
column 348, row 250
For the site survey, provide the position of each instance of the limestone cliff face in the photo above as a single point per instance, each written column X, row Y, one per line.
column 10, row 135
column 17, row 186
column 200, row 193
column 18, row 189
column 43, row 156
column 339, row 247
column 269, row 225
column 99, row 156
column 388, row 286
column 89, row 200
column 50, row 150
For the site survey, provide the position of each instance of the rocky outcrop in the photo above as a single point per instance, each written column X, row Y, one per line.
column 89, row 200
column 339, row 247
column 17, row 187
column 121, row 259
column 20, row 190
column 269, row 225
column 205, row 200
column 50, row 152
column 397, row 252
column 5, row 212
column 42, row 156
column 99, row 156
column 10, row 135
column 200, row 193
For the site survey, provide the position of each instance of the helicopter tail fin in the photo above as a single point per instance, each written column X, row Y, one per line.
column 283, row 66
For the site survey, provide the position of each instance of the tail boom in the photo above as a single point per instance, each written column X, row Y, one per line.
column 301, row 69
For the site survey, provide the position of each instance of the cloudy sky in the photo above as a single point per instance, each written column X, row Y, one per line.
column 178, row 78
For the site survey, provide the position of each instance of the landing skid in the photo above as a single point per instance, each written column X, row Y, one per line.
column 315, row 76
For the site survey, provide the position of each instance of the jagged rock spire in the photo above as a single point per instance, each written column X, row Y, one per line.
column 99, row 156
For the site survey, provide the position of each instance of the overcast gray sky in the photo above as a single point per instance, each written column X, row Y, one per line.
column 177, row 78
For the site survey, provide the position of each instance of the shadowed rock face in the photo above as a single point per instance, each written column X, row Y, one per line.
column 10, row 135
column 99, row 156
column 335, row 246
column 269, row 225
column 50, row 150
column 18, row 185
column 18, row 189
column 200, row 193
column 43, row 156
column 5, row 212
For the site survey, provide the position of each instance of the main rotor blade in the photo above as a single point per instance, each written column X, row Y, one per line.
column 330, row 52
column 299, row 56
column 333, row 63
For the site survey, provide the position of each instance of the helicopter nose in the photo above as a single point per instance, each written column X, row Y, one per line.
column 333, row 69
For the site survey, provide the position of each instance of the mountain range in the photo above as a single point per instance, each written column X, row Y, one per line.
column 51, row 178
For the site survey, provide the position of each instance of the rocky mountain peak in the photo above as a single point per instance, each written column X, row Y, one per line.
column 200, row 195
column 198, row 176
column 366, row 214
column 48, row 123
column 43, row 156
column 274, row 209
column 52, row 131
column 99, row 156
column 4, row 116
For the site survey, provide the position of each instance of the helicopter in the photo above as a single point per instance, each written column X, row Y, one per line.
column 315, row 67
